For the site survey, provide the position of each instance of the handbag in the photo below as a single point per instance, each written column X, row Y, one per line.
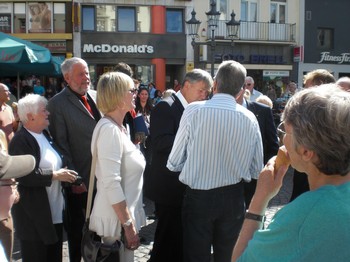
column 92, row 249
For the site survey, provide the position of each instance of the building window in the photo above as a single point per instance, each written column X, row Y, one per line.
column 325, row 38
column 174, row 21
column 143, row 19
column 88, row 18
column 221, row 6
column 110, row 18
column 249, row 10
column 278, row 11
column 19, row 18
column 105, row 15
column 59, row 17
column 126, row 19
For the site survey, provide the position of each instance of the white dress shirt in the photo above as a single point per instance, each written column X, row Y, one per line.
column 218, row 144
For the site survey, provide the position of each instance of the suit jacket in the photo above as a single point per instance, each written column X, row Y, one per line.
column 71, row 127
column 267, row 128
column 164, row 186
column 32, row 214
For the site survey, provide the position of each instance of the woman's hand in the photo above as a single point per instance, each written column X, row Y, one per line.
column 132, row 240
column 268, row 185
column 65, row 175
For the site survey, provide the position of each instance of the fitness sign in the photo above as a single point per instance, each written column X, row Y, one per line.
column 339, row 59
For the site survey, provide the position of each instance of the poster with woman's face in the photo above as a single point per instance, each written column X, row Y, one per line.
column 39, row 17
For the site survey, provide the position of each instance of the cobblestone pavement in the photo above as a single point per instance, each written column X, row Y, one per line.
column 147, row 232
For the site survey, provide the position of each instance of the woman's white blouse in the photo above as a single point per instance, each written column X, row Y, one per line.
column 119, row 173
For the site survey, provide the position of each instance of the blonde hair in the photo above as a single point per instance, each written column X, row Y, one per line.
column 111, row 88
column 265, row 100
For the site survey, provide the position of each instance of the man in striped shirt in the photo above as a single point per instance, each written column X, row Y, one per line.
column 217, row 146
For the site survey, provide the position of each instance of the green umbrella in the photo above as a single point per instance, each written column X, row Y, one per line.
column 20, row 57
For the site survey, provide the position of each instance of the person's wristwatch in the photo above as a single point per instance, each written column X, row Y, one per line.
column 254, row 217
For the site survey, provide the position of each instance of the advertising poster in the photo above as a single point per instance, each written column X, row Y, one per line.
column 5, row 23
column 40, row 17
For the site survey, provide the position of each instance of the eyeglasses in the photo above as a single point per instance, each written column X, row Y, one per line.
column 248, row 84
column 133, row 90
column 281, row 130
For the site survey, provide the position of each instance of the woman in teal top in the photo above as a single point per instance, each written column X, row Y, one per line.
column 315, row 226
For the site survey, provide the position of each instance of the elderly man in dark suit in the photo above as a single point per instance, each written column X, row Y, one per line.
column 268, row 132
column 73, row 116
column 164, row 187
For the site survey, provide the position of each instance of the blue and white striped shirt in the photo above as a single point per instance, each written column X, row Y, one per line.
column 218, row 143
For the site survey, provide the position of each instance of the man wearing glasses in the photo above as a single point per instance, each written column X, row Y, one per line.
column 249, row 85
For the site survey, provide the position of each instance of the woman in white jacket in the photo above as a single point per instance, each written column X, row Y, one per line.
column 119, row 167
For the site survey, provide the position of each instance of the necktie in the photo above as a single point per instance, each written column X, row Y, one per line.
column 86, row 104
column 133, row 113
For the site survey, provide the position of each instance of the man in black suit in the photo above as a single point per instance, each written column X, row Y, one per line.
column 164, row 187
column 268, row 132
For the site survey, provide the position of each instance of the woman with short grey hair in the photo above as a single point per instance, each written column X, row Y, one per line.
column 38, row 215
column 316, row 135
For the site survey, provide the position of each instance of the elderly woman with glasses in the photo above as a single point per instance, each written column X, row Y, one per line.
column 315, row 226
column 119, row 167
column 38, row 216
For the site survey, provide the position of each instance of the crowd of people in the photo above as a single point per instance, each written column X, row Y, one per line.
column 205, row 154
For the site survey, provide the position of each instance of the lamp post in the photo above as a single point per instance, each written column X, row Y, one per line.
column 213, row 16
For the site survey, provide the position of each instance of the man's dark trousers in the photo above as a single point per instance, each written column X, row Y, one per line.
column 169, row 231
column 212, row 217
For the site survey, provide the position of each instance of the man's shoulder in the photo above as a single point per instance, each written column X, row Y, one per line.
column 167, row 105
column 258, row 106
column 59, row 96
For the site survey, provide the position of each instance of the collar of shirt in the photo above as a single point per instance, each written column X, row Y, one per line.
column 244, row 104
column 182, row 99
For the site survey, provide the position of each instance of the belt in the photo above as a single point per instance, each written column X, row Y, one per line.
column 239, row 185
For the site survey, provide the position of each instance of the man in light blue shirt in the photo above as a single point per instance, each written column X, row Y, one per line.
column 217, row 146
column 249, row 84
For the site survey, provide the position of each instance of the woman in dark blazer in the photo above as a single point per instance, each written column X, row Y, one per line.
column 38, row 215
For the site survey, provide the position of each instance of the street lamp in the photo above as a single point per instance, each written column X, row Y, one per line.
column 213, row 17
column 193, row 26
column 232, row 27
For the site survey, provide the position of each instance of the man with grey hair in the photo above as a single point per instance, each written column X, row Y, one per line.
column 73, row 116
column 217, row 146
column 249, row 85
column 163, row 186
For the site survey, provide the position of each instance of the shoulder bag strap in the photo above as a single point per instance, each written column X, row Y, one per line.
column 92, row 177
